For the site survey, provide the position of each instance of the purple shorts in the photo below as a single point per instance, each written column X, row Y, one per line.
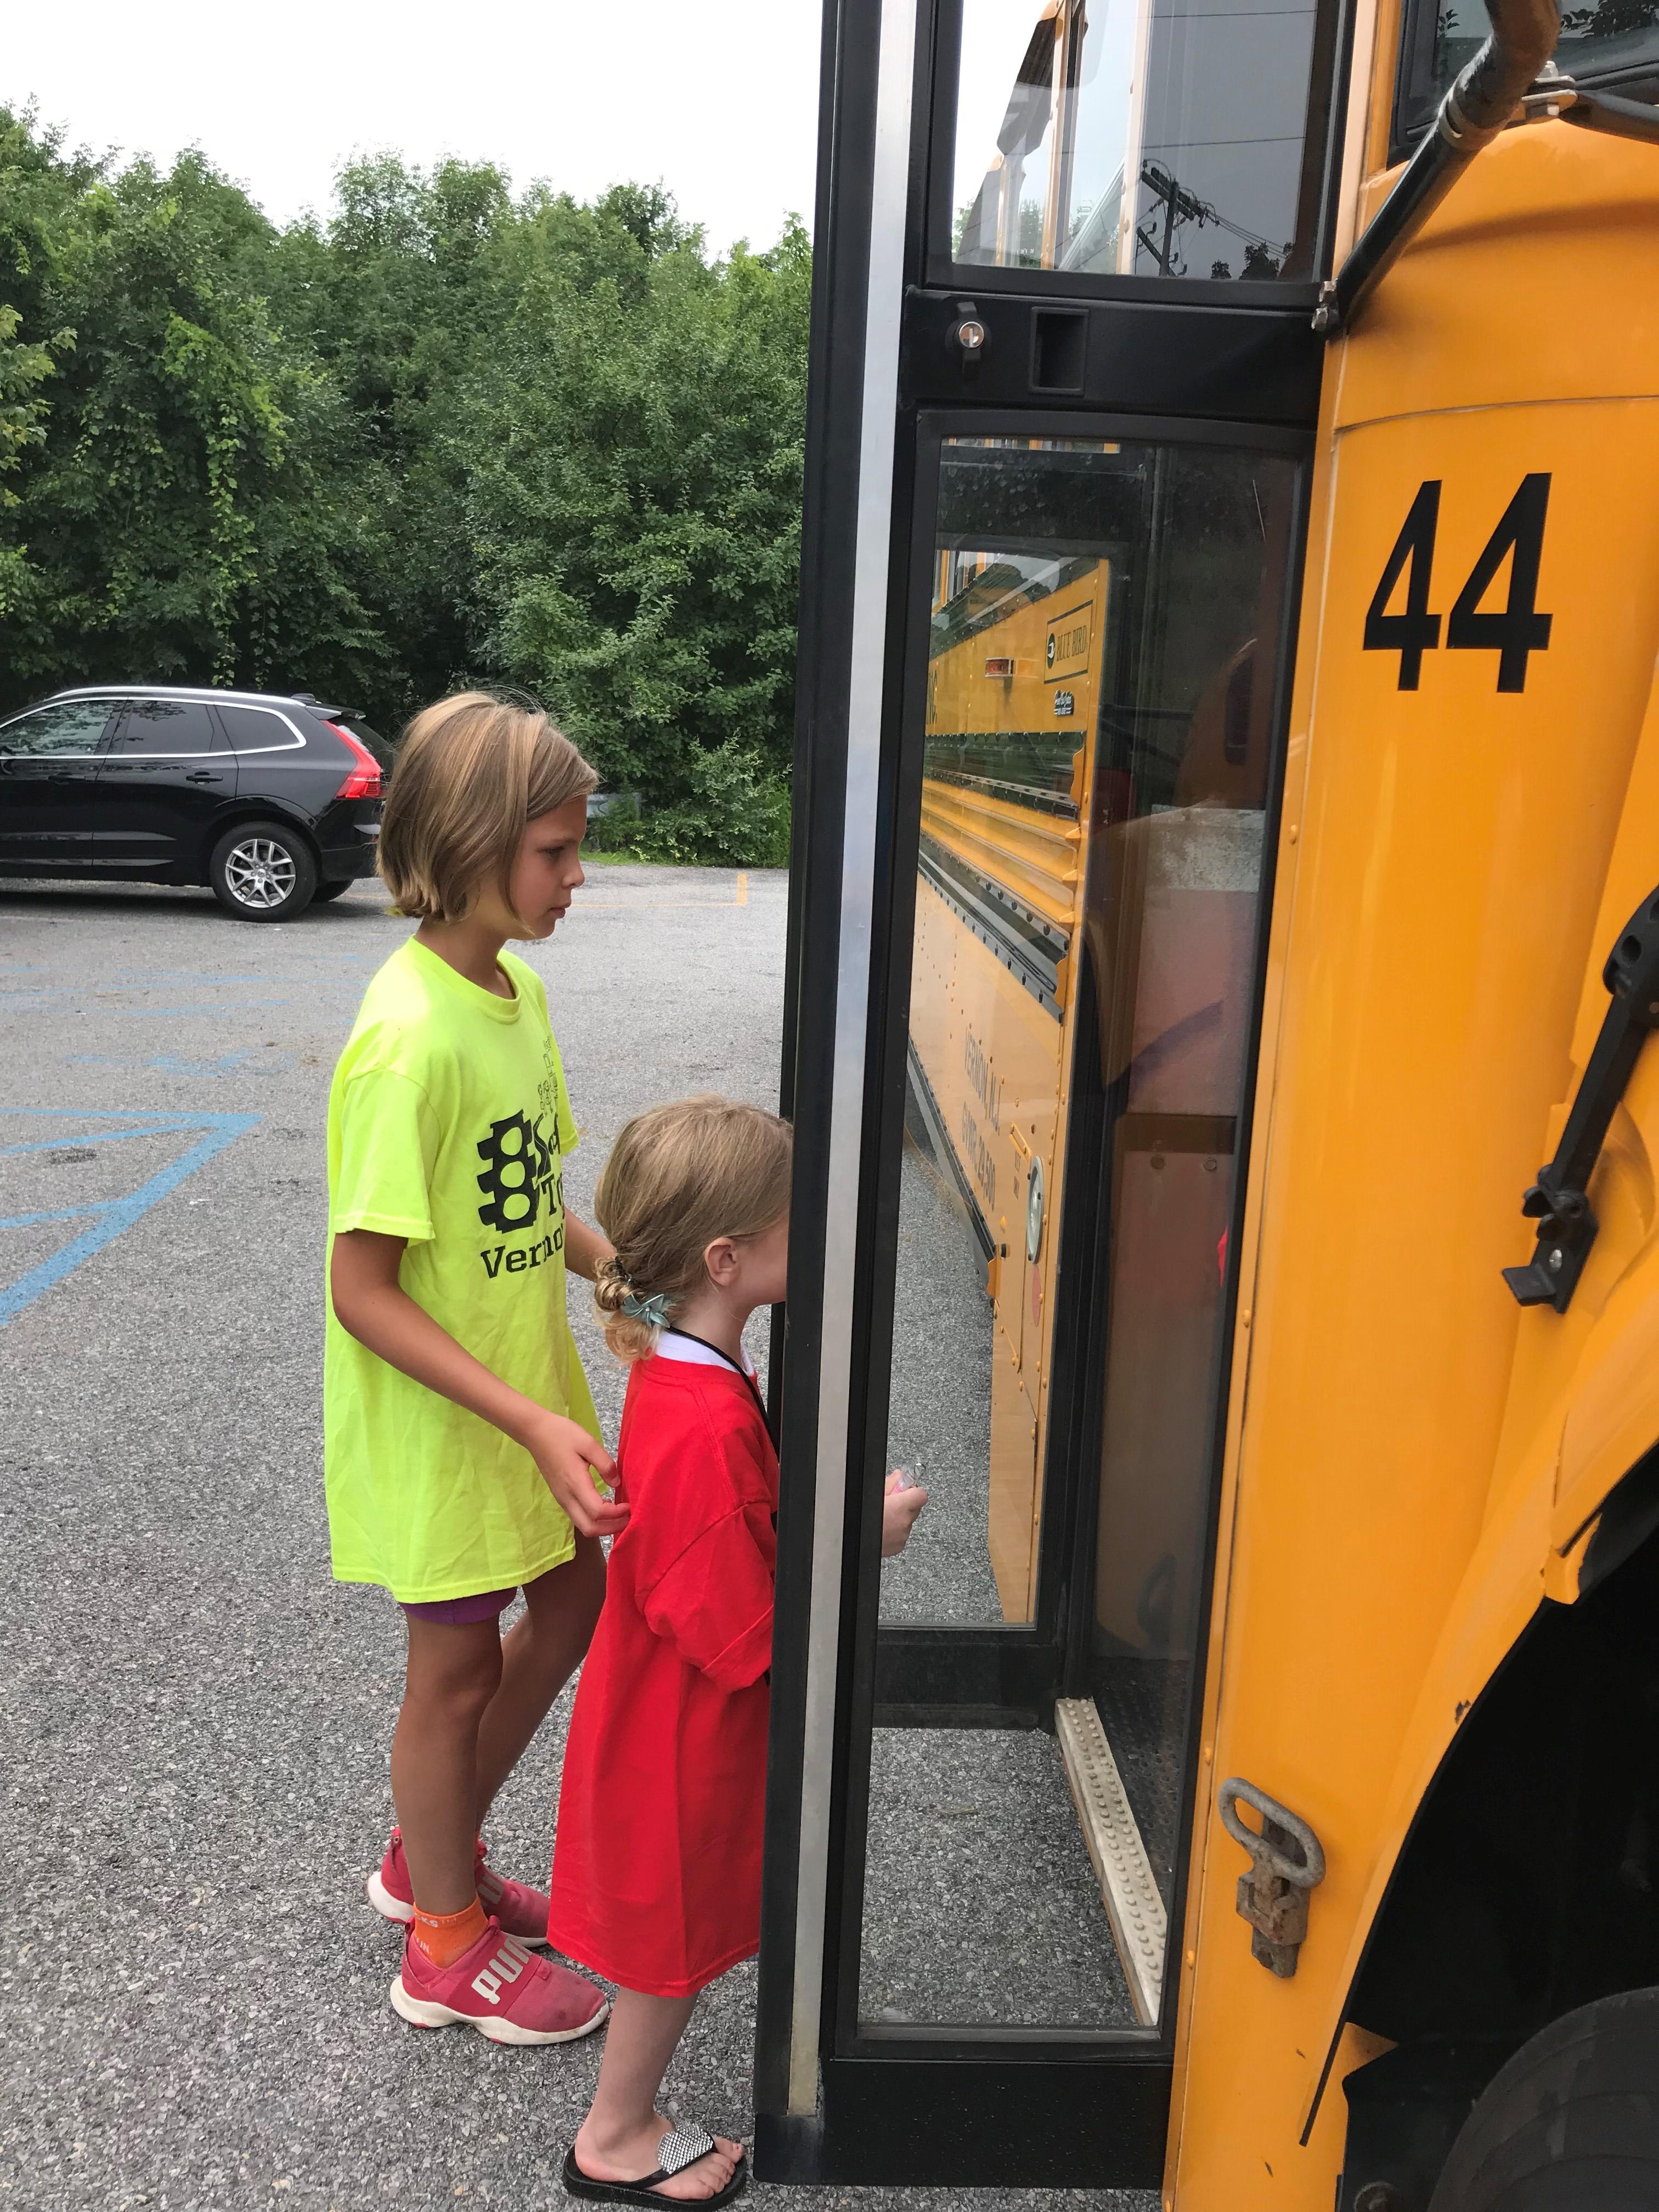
column 484, row 1605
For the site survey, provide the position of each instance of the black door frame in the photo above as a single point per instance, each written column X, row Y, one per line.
column 833, row 2102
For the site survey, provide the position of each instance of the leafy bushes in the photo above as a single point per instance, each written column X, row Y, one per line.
column 736, row 809
column 449, row 436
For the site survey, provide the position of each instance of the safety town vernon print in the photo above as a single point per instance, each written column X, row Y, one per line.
column 523, row 1182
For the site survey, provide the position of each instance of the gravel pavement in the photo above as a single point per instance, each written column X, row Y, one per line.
column 195, row 1718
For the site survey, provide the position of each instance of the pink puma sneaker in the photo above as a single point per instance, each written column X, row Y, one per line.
column 500, row 1988
column 521, row 1910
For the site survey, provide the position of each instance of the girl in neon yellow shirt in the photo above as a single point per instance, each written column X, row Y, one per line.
column 463, row 1454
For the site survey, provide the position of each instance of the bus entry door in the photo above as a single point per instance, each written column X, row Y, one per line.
column 1053, row 524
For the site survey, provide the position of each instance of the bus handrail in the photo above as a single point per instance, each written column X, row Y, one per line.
column 1484, row 101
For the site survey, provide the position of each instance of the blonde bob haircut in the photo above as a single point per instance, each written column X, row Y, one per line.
column 678, row 1177
column 471, row 772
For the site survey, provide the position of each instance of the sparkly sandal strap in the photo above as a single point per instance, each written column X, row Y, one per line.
column 682, row 2146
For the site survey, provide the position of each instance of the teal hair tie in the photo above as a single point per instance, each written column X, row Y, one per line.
column 652, row 1311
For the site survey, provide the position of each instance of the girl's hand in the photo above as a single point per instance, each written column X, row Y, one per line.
column 899, row 1509
column 569, row 1459
column 370, row 1301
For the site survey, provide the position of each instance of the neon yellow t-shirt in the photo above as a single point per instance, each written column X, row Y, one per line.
column 448, row 1121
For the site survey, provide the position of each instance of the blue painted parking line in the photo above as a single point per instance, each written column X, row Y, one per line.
column 246, row 1060
column 111, row 1217
column 155, row 1125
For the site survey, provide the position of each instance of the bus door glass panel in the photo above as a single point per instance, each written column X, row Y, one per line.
column 1095, row 754
column 48, row 771
column 164, row 774
column 1140, row 138
column 1172, row 922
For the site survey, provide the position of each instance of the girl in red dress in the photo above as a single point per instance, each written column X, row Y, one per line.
column 657, row 1862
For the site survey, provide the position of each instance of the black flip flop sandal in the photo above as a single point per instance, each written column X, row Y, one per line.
column 681, row 2147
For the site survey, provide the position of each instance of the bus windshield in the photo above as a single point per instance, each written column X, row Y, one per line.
column 1615, row 42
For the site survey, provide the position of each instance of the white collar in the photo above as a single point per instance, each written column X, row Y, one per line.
column 671, row 1345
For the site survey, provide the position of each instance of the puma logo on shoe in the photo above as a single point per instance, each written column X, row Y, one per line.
column 547, row 2004
column 509, row 1963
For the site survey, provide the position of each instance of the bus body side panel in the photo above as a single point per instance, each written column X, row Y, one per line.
column 1583, row 1405
column 1465, row 770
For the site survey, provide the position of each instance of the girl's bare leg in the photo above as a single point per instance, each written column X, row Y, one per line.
column 454, row 1672
column 539, row 1654
column 618, row 2140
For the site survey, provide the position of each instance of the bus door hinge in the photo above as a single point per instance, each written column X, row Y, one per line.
column 1559, row 1201
column 1273, row 1895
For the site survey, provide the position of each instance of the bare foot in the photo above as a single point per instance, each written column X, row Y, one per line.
column 630, row 2157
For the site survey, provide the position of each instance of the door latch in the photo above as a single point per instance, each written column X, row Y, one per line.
column 1559, row 1200
column 1273, row 1895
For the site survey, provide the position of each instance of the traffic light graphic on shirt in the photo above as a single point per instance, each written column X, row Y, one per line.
column 520, row 1167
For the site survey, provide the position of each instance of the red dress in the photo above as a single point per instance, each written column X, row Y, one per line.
column 657, row 1860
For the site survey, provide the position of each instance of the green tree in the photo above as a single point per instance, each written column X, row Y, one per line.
column 183, row 510
column 37, row 183
column 397, row 296
column 22, row 412
column 634, row 447
column 446, row 435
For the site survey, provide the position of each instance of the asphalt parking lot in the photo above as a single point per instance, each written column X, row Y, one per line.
column 195, row 1718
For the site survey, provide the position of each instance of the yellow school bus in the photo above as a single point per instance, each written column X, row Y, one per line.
column 1225, row 931
column 999, row 901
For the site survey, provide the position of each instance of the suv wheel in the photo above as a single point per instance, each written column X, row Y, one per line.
column 261, row 872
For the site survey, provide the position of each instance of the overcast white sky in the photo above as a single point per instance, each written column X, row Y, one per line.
column 716, row 99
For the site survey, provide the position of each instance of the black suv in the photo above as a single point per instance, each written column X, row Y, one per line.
column 270, row 800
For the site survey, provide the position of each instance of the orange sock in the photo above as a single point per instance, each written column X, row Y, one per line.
column 445, row 1936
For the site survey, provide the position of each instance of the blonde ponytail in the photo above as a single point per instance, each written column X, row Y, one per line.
column 629, row 1338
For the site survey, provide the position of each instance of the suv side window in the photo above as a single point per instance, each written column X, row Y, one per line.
column 258, row 729
column 73, row 728
column 163, row 729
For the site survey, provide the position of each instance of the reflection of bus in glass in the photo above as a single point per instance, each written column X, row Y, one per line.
column 1054, row 729
column 1012, row 692
column 1118, row 149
